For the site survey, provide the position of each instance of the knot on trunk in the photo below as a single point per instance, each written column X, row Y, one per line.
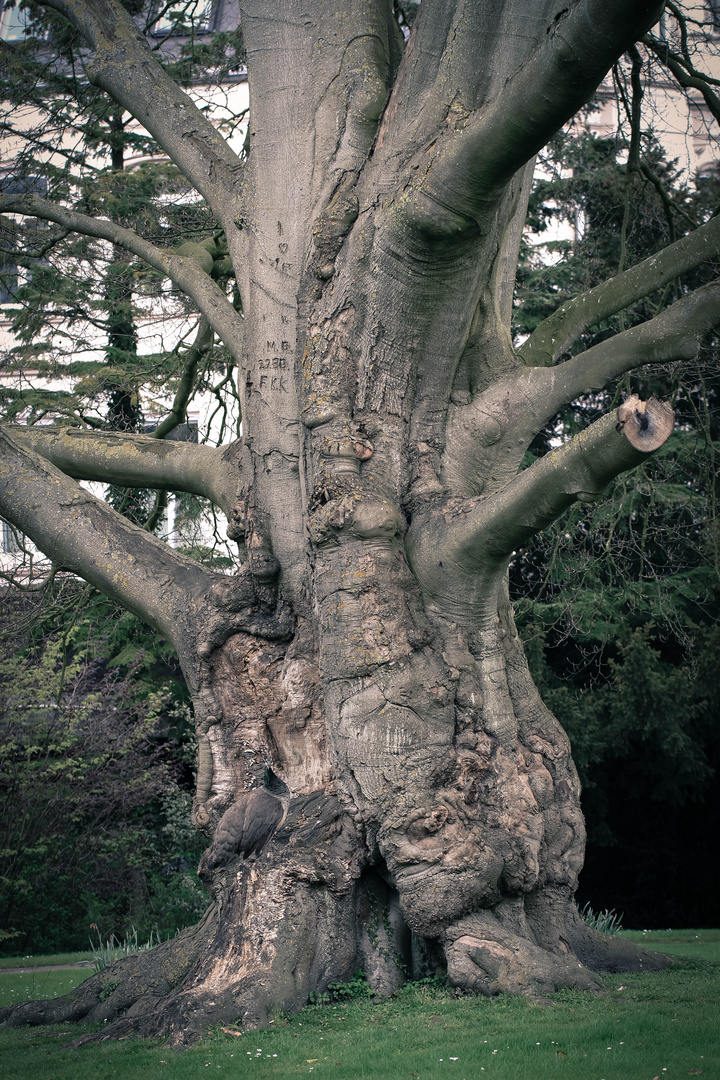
column 332, row 226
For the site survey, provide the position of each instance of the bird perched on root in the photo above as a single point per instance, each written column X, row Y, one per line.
column 250, row 823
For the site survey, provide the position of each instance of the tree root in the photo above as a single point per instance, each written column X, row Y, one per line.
column 537, row 945
column 276, row 935
column 558, row 926
column 129, row 988
column 485, row 958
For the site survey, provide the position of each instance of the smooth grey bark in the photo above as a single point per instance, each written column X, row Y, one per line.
column 368, row 644
column 137, row 461
column 460, row 558
column 82, row 534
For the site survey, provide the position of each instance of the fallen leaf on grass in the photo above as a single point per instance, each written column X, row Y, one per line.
column 230, row 1031
column 561, row 1053
column 310, row 1060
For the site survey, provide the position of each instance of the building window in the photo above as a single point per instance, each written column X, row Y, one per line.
column 185, row 432
column 12, row 21
column 9, row 541
column 184, row 18
column 714, row 12
column 180, row 433
column 26, row 185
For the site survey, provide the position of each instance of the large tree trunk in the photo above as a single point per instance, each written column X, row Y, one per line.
column 368, row 647
column 438, row 830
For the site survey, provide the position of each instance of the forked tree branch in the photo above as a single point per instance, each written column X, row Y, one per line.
column 182, row 270
column 135, row 461
column 458, row 557
column 686, row 73
column 555, row 334
column 83, row 534
column 487, row 438
column 125, row 67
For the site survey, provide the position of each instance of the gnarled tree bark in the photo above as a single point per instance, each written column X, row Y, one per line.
column 368, row 645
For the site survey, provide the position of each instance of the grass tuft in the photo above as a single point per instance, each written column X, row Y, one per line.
column 106, row 953
column 607, row 922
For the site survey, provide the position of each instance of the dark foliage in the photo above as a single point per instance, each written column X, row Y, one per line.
column 95, row 781
column 618, row 601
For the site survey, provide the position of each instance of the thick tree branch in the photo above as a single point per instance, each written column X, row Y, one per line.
column 487, row 438
column 579, row 471
column 459, row 556
column 675, row 334
column 125, row 67
column 555, row 334
column 472, row 162
column 182, row 270
column 135, row 461
column 83, row 534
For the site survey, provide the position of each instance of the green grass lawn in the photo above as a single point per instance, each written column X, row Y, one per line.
column 702, row 943
column 36, row 984
column 43, row 961
column 651, row 1025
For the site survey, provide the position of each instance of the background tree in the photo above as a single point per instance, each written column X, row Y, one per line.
column 618, row 600
column 367, row 644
